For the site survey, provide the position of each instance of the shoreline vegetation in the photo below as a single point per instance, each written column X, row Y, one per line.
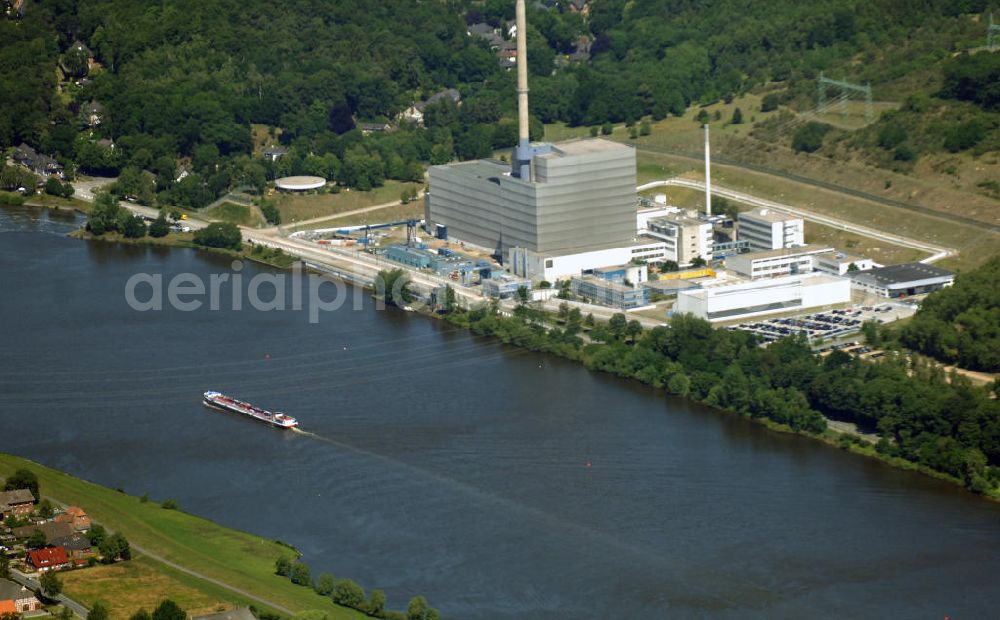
column 929, row 421
column 272, row 257
column 197, row 557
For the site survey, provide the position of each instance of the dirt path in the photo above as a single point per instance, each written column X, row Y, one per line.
column 221, row 584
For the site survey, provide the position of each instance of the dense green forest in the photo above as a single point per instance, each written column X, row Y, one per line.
column 184, row 81
column 922, row 415
column 961, row 324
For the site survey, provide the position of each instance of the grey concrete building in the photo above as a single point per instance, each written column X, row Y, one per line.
column 579, row 196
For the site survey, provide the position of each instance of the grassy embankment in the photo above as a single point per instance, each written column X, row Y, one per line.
column 241, row 215
column 237, row 559
column 43, row 200
column 298, row 207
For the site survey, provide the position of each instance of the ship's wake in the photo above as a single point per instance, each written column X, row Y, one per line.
column 531, row 513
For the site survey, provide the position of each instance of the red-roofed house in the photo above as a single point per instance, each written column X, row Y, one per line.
column 49, row 558
column 76, row 517
column 7, row 607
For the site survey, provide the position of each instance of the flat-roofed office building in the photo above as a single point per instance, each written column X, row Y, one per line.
column 766, row 229
column 685, row 235
column 776, row 263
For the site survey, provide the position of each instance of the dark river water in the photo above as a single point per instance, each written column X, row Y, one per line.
column 498, row 483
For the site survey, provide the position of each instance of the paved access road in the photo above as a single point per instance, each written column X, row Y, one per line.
column 32, row 583
column 85, row 191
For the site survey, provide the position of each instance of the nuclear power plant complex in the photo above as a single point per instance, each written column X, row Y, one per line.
column 570, row 212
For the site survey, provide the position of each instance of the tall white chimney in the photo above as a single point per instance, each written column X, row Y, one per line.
column 522, row 152
column 708, row 176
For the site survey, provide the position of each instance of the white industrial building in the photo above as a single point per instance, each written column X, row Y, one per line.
column 791, row 261
column 776, row 263
column 685, row 235
column 839, row 263
column 902, row 280
column 766, row 229
column 730, row 302
column 537, row 266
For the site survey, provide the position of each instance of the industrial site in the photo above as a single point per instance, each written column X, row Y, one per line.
column 565, row 222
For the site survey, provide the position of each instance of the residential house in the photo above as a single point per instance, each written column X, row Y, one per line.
column 79, row 47
column 49, row 558
column 578, row 6
column 16, row 599
column 415, row 113
column 274, row 153
column 76, row 545
column 74, row 515
column 14, row 8
column 182, row 172
column 370, row 128
column 92, row 113
column 52, row 530
column 507, row 54
column 36, row 162
column 17, row 503
column 486, row 32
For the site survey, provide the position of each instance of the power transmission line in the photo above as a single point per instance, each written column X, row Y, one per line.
column 845, row 88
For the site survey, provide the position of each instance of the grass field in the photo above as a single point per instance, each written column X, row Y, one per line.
column 47, row 200
column 413, row 210
column 952, row 192
column 238, row 559
column 140, row 584
column 298, row 207
column 241, row 215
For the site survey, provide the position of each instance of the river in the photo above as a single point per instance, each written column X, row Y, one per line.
column 496, row 482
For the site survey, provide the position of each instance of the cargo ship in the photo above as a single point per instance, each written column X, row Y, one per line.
column 218, row 400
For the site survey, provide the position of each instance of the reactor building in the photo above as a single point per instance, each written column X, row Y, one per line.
column 574, row 198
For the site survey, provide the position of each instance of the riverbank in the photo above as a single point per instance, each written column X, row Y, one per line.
column 224, row 565
column 728, row 372
column 267, row 256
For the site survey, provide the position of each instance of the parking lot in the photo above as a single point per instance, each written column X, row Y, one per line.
column 828, row 325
